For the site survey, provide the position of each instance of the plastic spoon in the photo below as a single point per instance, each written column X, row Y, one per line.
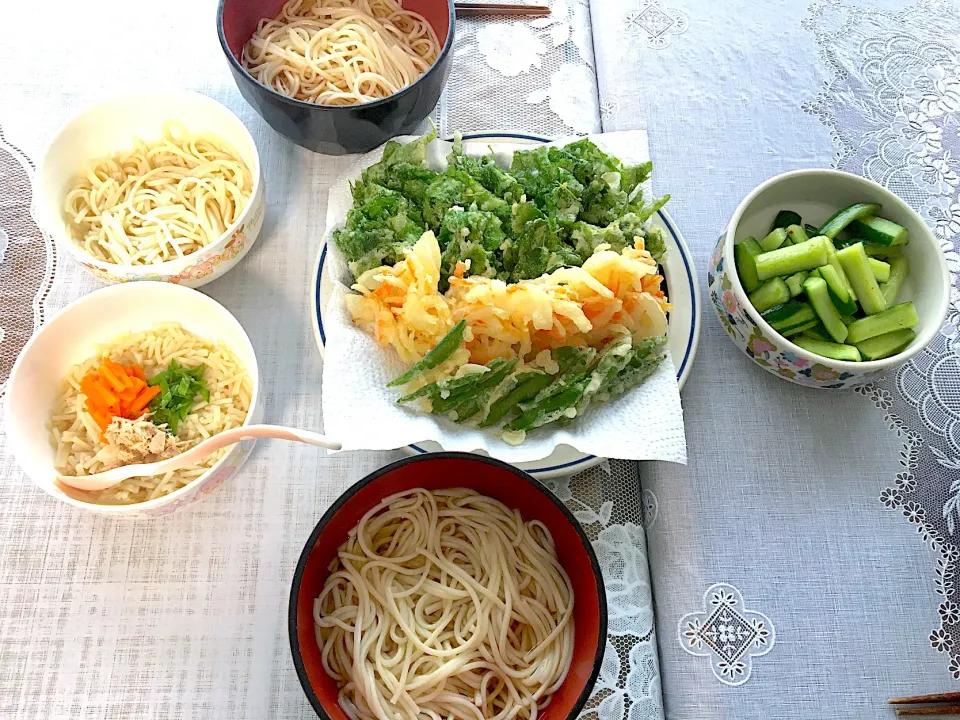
column 109, row 478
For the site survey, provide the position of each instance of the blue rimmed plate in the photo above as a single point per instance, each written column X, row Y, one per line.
column 683, row 334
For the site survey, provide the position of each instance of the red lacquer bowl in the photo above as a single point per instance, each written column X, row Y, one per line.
column 434, row 471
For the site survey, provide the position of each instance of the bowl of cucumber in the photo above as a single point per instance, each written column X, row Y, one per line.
column 827, row 279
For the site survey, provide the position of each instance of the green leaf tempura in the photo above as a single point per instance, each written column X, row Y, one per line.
column 485, row 171
column 378, row 230
column 552, row 207
column 472, row 235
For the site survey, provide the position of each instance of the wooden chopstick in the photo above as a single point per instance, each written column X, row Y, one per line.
column 936, row 697
column 470, row 9
column 949, row 704
column 930, row 710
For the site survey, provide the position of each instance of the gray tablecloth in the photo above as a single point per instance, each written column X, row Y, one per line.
column 804, row 563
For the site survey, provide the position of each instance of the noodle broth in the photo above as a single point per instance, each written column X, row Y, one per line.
column 85, row 329
column 79, row 442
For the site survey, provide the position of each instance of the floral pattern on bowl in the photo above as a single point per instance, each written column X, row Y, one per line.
column 203, row 266
column 769, row 353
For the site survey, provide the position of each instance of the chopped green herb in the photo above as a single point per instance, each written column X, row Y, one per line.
column 179, row 388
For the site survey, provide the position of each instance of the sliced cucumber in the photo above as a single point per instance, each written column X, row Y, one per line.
column 818, row 332
column 744, row 254
column 792, row 259
column 857, row 267
column 878, row 251
column 882, row 252
column 841, row 242
column 882, row 346
column 880, row 231
column 841, row 218
column 799, row 329
column 899, row 269
column 811, row 230
column 834, row 351
column 797, row 234
column 898, row 317
column 835, row 264
column 795, row 283
column 881, row 270
column 785, row 218
column 775, row 239
column 839, row 289
column 819, row 297
column 772, row 293
column 791, row 317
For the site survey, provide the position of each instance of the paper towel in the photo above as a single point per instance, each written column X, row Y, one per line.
column 360, row 412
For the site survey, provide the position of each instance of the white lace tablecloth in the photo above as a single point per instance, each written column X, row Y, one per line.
column 805, row 563
column 186, row 616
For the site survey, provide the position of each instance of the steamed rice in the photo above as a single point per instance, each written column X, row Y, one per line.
column 77, row 438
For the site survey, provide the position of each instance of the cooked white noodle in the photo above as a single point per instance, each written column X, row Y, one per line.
column 445, row 604
column 78, row 441
column 159, row 200
column 341, row 52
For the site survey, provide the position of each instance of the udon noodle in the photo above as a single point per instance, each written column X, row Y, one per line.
column 341, row 52
column 78, row 440
column 160, row 200
column 445, row 604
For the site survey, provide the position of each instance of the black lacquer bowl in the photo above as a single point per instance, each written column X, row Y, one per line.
column 337, row 129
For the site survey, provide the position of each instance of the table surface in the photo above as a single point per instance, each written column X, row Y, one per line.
column 825, row 571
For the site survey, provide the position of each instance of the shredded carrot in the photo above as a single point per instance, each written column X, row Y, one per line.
column 113, row 390
column 115, row 380
column 103, row 419
column 104, row 395
column 145, row 396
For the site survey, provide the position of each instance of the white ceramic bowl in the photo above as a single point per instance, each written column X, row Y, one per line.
column 111, row 126
column 816, row 195
column 73, row 335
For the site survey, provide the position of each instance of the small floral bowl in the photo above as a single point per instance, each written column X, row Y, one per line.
column 74, row 335
column 815, row 195
column 112, row 126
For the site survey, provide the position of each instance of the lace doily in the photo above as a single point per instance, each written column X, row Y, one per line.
column 893, row 106
column 535, row 77
column 27, row 259
column 607, row 502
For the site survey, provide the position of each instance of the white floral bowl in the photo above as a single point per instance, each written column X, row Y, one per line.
column 111, row 126
column 73, row 335
column 815, row 195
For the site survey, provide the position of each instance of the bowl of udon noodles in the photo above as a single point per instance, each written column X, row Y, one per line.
column 448, row 585
column 132, row 373
column 339, row 76
column 163, row 185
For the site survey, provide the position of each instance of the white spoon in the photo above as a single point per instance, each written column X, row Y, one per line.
column 103, row 480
